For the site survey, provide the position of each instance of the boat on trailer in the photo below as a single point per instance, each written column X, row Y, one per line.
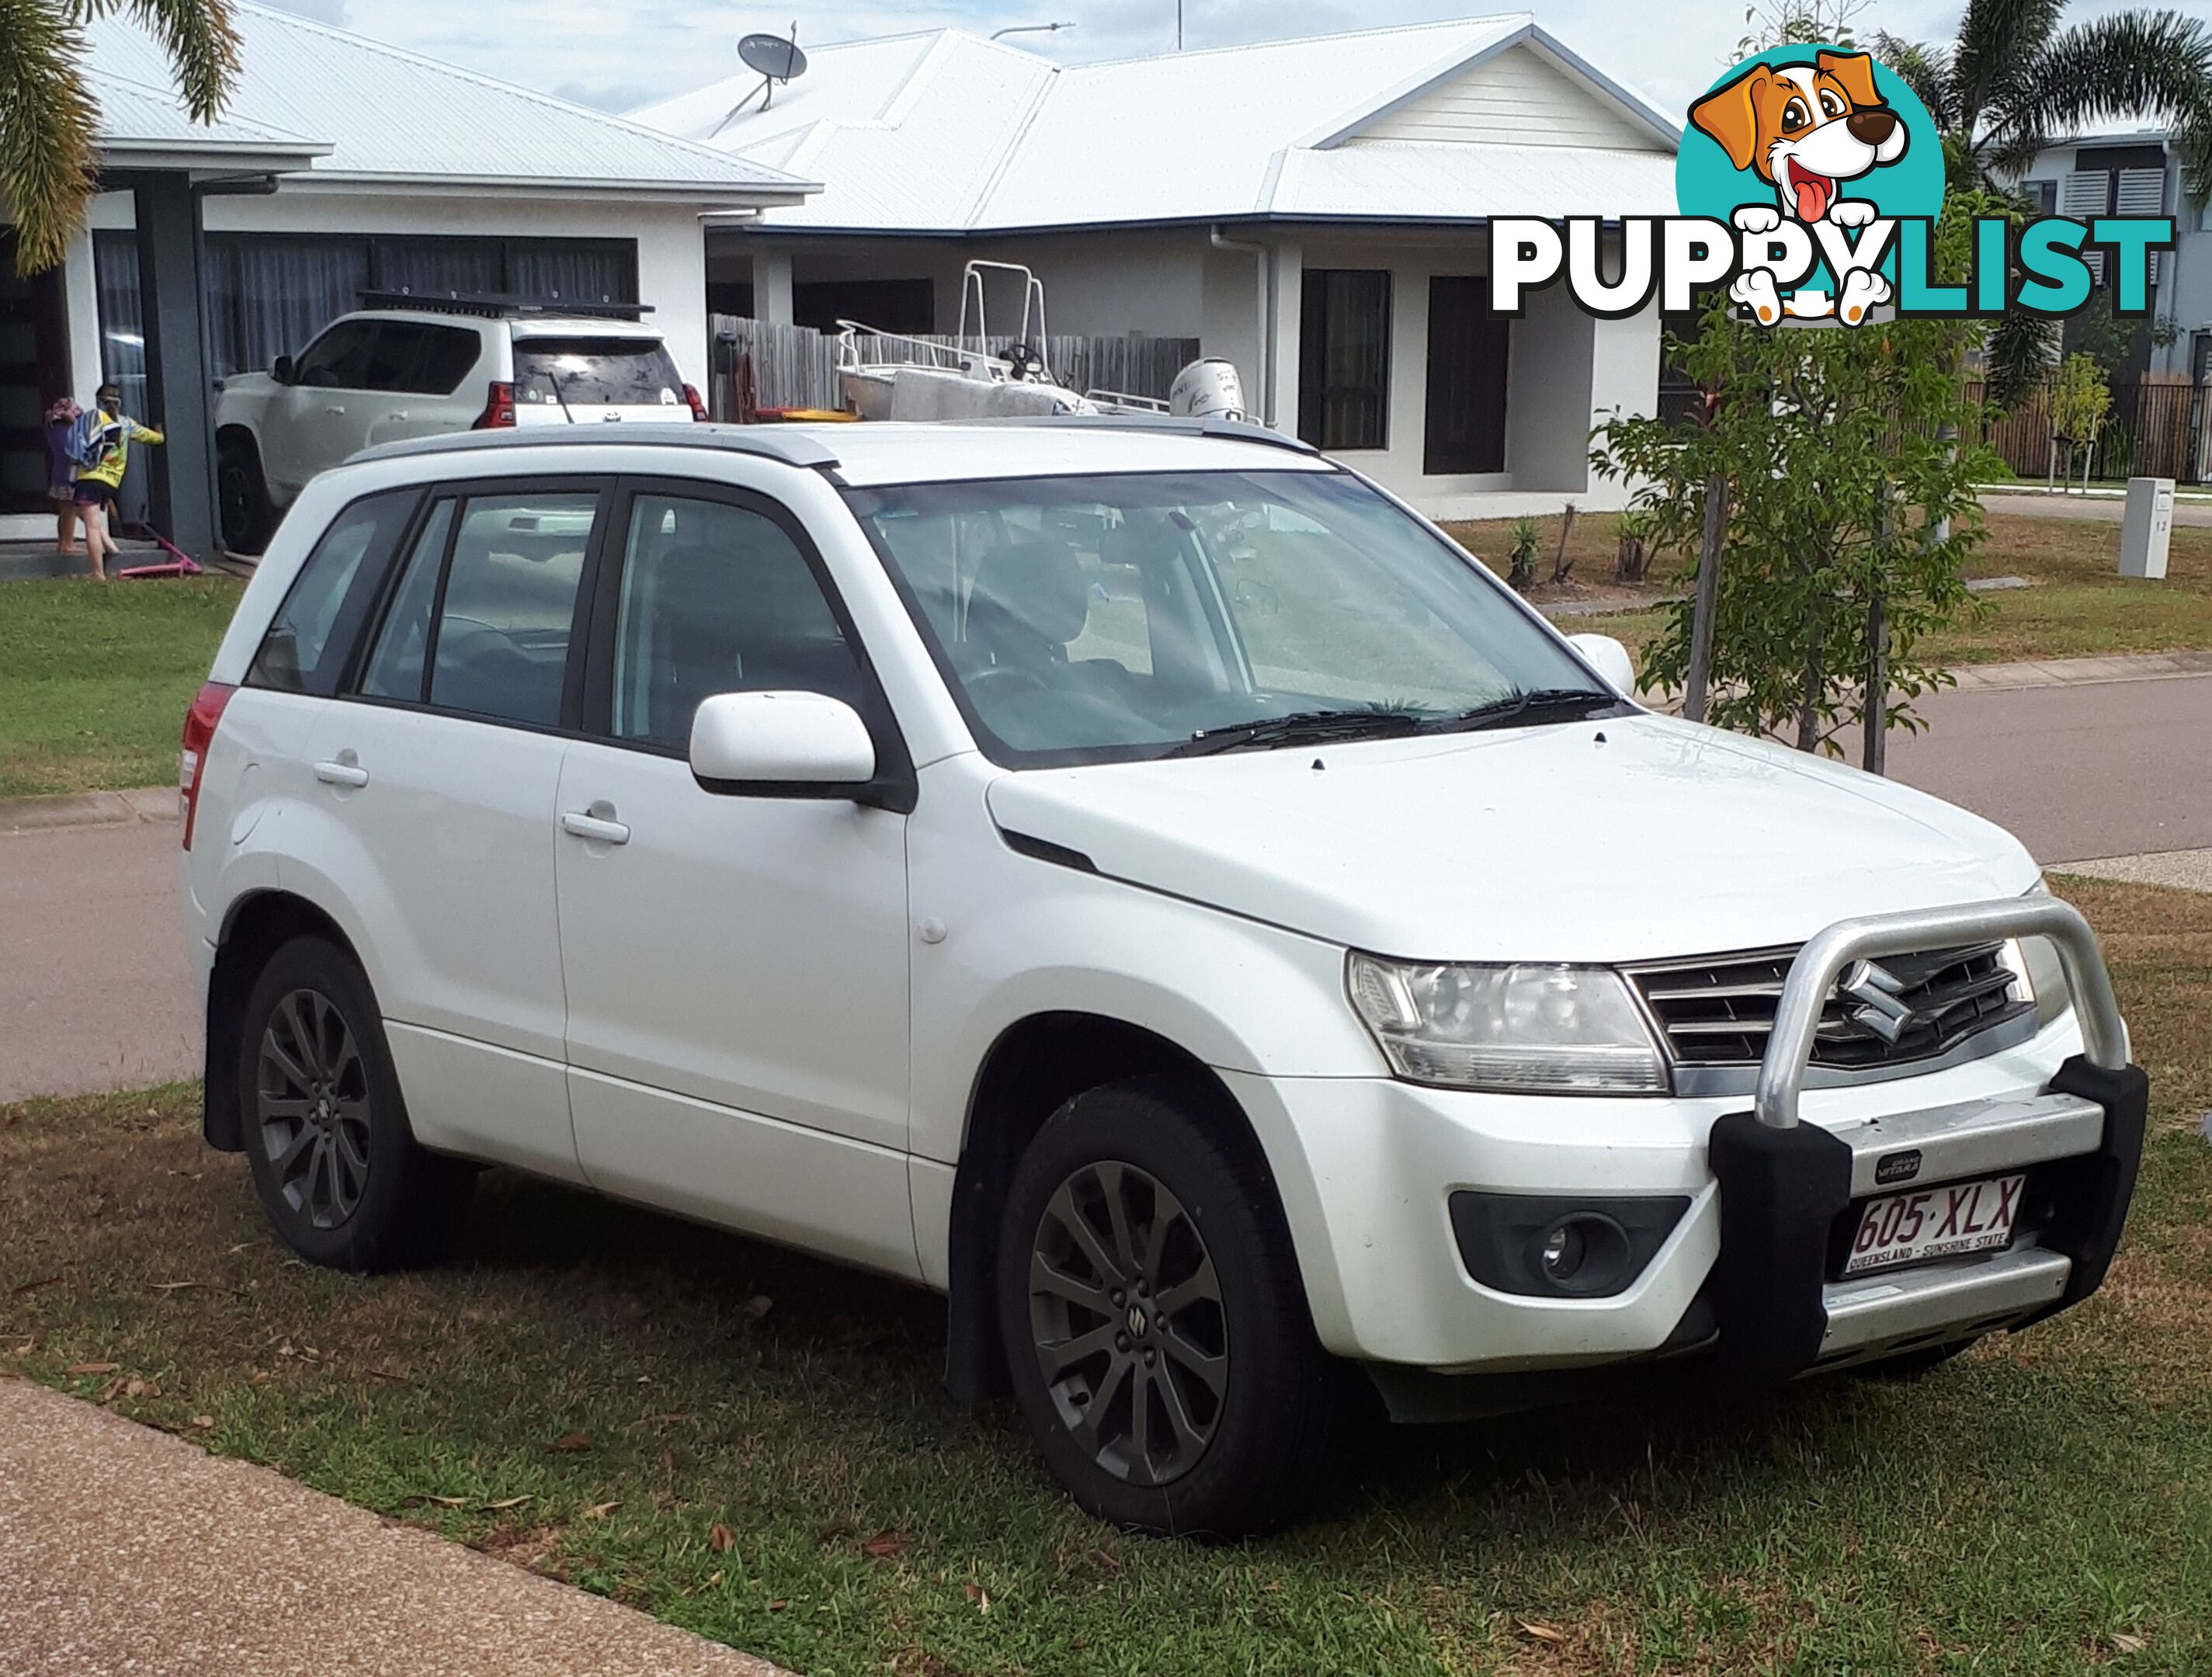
column 966, row 380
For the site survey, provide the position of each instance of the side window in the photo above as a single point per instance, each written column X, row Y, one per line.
column 448, row 353
column 395, row 668
column 716, row 599
column 338, row 360
column 391, row 362
column 500, row 647
column 303, row 650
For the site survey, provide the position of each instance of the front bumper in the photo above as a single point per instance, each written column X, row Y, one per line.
column 1752, row 1269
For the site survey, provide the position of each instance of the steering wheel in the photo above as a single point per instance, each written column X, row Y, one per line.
column 1022, row 360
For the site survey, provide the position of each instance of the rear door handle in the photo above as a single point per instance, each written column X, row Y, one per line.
column 343, row 772
column 334, row 409
column 597, row 823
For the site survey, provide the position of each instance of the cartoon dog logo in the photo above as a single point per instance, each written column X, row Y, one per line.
column 1806, row 130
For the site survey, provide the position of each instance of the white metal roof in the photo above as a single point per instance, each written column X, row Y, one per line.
column 944, row 131
column 387, row 117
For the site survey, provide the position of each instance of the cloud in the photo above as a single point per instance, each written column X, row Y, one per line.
column 618, row 56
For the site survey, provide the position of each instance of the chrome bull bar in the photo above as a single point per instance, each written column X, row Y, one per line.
column 1813, row 974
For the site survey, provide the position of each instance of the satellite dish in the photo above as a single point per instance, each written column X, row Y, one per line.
column 774, row 57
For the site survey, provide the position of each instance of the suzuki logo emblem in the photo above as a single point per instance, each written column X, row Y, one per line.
column 1877, row 988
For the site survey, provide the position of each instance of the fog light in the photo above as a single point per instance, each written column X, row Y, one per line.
column 1562, row 1252
column 1541, row 1245
column 1584, row 1252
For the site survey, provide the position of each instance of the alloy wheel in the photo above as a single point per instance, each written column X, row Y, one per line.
column 1127, row 1319
column 311, row 1094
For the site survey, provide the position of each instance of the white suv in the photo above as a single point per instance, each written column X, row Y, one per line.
column 1141, row 881
column 422, row 369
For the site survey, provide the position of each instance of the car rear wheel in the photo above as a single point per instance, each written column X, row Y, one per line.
column 242, row 497
column 1155, row 1325
column 336, row 1167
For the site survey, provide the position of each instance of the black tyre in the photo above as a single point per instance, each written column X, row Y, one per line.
column 1155, row 1325
column 336, row 1168
column 242, row 497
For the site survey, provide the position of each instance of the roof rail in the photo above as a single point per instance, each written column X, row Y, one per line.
column 1234, row 430
column 774, row 442
column 497, row 307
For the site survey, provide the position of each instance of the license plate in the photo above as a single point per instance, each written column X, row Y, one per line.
column 1935, row 1222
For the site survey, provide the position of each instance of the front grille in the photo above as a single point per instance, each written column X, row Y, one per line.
column 1719, row 1012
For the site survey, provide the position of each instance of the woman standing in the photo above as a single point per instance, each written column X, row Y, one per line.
column 61, row 472
column 100, row 445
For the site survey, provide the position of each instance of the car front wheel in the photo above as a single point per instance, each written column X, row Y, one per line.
column 242, row 497
column 337, row 1171
column 1155, row 1326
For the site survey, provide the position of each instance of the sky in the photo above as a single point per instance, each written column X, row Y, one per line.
column 619, row 54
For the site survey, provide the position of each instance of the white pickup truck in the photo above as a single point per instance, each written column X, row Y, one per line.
column 1140, row 880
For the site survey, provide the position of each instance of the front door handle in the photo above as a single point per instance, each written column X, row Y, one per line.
column 344, row 770
column 597, row 823
column 334, row 409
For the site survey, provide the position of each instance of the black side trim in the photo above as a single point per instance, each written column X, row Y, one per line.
column 1780, row 1191
column 1044, row 850
column 2091, row 1190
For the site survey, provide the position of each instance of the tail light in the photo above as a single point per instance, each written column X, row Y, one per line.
column 199, row 733
column 698, row 408
column 498, row 413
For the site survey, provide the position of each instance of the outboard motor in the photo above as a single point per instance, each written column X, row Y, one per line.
column 1208, row 389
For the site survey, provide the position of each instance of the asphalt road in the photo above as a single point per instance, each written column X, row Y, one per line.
column 94, row 994
column 2111, row 768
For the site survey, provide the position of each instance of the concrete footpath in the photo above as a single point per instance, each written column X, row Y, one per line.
column 94, row 992
column 126, row 1550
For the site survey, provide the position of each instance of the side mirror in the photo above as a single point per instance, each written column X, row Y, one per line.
column 1609, row 659
column 281, row 370
column 795, row 744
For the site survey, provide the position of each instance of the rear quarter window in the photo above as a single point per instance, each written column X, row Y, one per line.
column 597, row 372
column 309, row 638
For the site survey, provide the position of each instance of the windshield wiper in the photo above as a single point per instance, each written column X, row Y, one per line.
column 1297, row 727
column 1549, row 704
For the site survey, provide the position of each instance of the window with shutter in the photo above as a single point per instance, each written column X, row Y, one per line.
column 2086, row 192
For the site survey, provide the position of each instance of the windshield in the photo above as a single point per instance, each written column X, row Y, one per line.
column 1110, row 618
column 597, row 372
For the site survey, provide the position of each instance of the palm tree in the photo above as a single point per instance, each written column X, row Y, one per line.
column 2013, row 80
column 48, row 112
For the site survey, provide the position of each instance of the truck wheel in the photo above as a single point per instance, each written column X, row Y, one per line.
column 336, row 1168
column 1155, row 1325
column 242, row 495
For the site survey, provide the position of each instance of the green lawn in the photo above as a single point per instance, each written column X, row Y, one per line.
column 755, row 1445
column 95, row 678
column 2077, row 606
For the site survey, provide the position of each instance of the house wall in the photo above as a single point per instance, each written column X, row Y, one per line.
column 1566, row 369
column 2183, row 292
column 1520, row 97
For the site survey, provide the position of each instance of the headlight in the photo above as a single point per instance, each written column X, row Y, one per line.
column 1519, row 1029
